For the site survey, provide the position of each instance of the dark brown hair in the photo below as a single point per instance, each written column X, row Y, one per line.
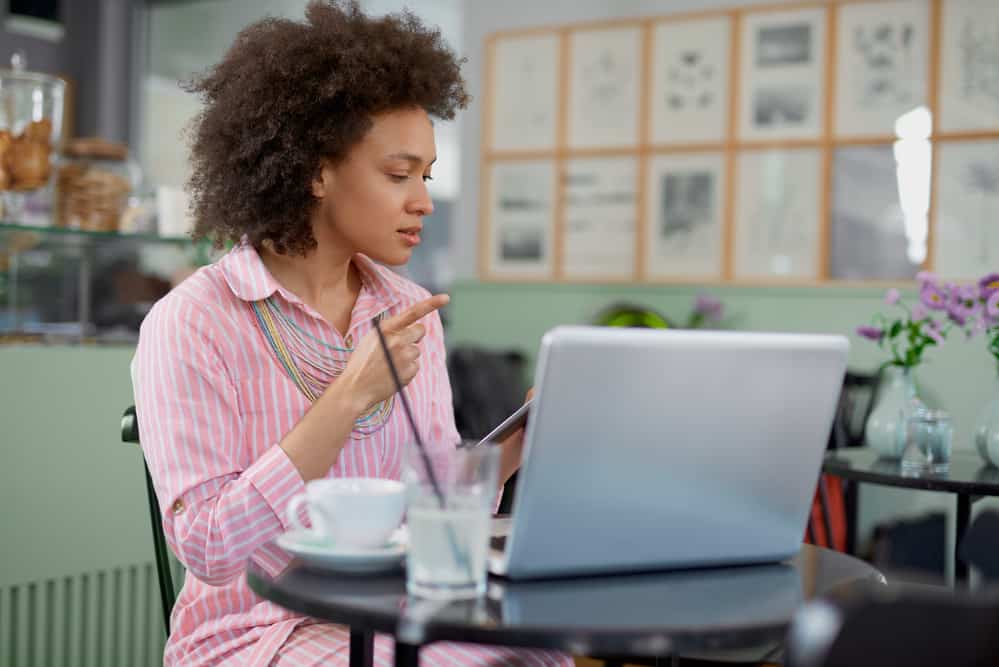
column 289, row 94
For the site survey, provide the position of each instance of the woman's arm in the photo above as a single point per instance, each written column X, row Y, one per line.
column 216, row 511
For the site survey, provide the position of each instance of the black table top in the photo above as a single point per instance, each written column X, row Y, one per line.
column 735, row 608
column 968, row 473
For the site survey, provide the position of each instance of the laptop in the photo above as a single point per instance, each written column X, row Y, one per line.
column 656, row 449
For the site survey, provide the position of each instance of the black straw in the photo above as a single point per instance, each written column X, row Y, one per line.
column 409, row 415
column 458, row 555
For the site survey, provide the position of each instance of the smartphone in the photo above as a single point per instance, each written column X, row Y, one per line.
column 508, row 426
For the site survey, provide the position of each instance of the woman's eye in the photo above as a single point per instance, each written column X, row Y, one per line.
column 399, row 178
column 428, row 177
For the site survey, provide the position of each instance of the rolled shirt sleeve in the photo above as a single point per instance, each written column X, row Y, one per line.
column 217, row 509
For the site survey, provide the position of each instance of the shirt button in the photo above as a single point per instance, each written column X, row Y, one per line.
column 178, row 506
column 349, row 341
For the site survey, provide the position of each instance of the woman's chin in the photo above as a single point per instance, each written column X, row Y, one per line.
column 393, row 257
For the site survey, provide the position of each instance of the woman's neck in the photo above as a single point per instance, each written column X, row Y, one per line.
column 325, row 278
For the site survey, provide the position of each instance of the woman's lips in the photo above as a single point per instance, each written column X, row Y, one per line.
column 410, row 236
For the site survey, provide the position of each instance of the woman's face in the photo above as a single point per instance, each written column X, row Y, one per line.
column 374, row 201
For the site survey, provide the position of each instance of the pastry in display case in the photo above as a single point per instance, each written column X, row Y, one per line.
column 31, row 132
column 93, row 185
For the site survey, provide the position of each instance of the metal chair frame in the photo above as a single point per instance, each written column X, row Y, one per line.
column 130, row 434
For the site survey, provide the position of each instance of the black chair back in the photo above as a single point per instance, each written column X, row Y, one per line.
column 130, row 434
column 896, row 626
column 836, row 499
column 856, row 401
column 980, row 547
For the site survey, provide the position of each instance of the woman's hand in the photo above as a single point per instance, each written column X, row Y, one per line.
column 512, row 450
column 367, row 373
column 316, row 440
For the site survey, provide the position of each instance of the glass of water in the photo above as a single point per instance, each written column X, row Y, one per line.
column 449, row 520
column 928, row 441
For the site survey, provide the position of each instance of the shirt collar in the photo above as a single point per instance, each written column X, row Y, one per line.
column 248, row 278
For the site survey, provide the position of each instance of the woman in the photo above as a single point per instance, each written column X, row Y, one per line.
column 262, row 371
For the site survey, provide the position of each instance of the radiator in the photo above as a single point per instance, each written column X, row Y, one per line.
column 109, row 618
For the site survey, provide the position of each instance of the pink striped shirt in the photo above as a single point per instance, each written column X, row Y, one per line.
column 213, row 402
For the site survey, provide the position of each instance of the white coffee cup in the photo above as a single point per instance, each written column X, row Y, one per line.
column 351, row 511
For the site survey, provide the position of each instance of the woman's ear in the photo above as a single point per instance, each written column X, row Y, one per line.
column 322, row 180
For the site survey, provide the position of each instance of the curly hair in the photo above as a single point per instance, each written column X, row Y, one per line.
column 290, row 94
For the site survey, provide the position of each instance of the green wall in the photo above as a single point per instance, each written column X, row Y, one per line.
column 959, row 376
column 73, row 495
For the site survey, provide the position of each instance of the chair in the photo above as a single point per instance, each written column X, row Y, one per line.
column 916, row 627
column 486, row 386
column 833, row 519
column 130, row 434
column 980, row 546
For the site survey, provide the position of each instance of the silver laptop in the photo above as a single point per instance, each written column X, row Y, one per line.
column 651, row 449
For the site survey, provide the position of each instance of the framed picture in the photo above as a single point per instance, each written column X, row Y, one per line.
column 604, row 83
column 684, row 213
column 520, row 215
column 524, row 95
column 599, row 218
column 783, row 75
column 690, row 74
column 966, row 234
column 873, row 236
column 882, row 64
column 969, row 50
column 777, row 214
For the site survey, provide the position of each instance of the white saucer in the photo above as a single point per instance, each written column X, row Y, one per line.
column 320, row 553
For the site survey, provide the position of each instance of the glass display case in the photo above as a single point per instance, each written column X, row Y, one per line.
column 70, row 285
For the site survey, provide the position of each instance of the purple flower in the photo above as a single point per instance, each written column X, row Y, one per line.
column 992, row 305
column 933, row 296
column 892, row 296
column 709, row 307
column 963, row 303
column 871, row 333
column 989, row 285
column 919, row 312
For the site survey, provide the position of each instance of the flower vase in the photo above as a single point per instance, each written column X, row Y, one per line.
column 987, row 431
column 885, row 429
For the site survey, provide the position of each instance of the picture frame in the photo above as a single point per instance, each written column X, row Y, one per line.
column 599, row 218
column 605, row 81
column 777, row 214
column 882, row 65
column 782, row 70
column 872, row 234
column 523, row 100
column 969, row 47
column 768, row 145
column 965, row 236
column 685, row 216
column 520, row 213
column 690, row 81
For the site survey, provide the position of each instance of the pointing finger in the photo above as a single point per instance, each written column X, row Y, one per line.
column 415, row 312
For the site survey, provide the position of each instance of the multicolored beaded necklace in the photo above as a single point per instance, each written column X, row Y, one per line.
column 312, row 363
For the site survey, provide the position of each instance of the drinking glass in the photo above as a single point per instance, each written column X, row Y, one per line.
column 449, row 518
column 928, row 441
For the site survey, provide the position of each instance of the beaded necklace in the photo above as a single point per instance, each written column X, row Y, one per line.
column 312, row 363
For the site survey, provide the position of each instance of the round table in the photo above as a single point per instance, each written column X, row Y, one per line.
column 734, row 611
column 969, row 477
